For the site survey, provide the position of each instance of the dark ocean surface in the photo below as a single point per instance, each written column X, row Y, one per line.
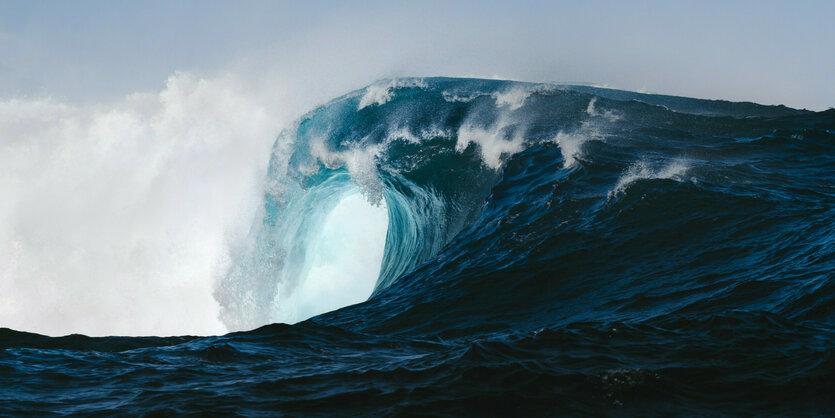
column 551, row 250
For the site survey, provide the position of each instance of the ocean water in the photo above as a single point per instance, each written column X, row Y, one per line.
column 529, row 249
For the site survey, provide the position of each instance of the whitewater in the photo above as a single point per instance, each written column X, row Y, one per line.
column 465, row 246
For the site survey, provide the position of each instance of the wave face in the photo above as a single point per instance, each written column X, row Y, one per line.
column 549, row 249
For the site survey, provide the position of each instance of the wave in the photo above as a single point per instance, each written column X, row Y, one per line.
column 501, row 247
column 118, row 218
column 432, row 151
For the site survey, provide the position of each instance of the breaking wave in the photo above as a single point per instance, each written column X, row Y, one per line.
column 483, row 247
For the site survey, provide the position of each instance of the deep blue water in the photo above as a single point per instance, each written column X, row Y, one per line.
column 551, row 250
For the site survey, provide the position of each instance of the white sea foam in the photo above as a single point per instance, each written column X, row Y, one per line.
column 570, row 146
column 403, row 134
column 592, row 129
column 609, row 115
column 118, row 219
column 642, row 170
column 406, row 134
column 493, row 142
column 361, row 163
column 515, row 97
column 458, row 97
column 382, row 91
column 571, row 143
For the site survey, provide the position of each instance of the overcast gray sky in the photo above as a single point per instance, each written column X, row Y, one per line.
column 89, row 51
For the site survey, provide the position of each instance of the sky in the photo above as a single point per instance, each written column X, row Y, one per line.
column 135, row 136
column 89, row 51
